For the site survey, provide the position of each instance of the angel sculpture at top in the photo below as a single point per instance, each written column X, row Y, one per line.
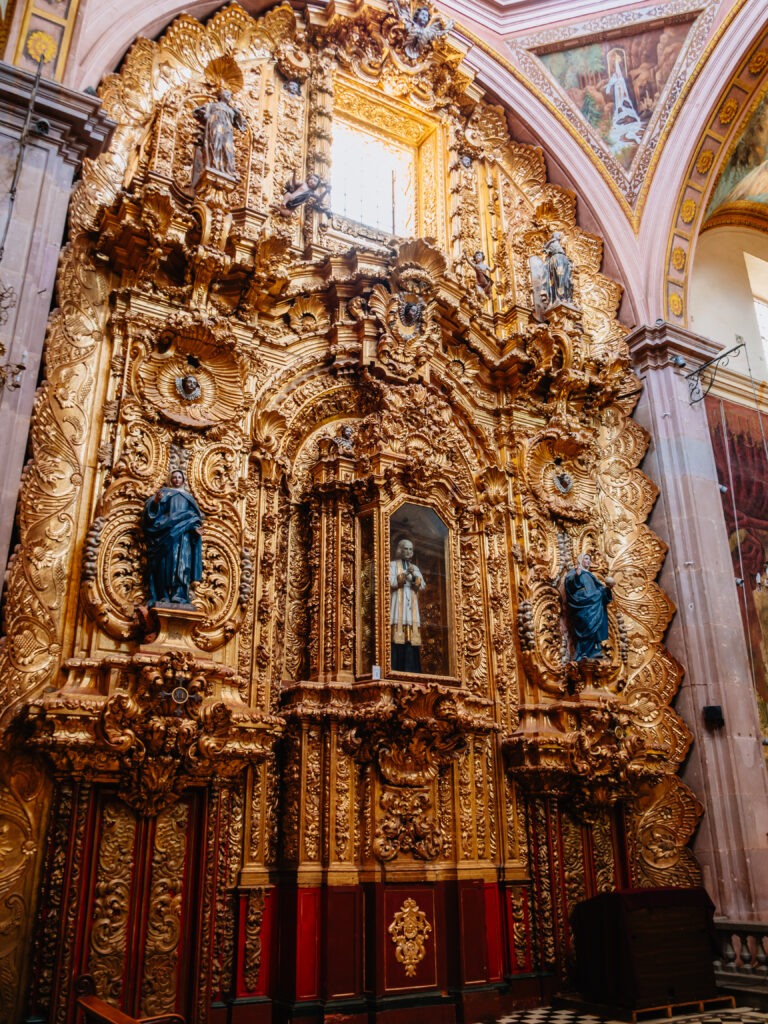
column 422, row 29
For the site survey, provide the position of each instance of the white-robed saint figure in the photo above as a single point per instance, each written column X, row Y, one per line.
column 405, row 582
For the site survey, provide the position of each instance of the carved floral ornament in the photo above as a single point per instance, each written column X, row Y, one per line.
column 410, row 932
column 199, row 329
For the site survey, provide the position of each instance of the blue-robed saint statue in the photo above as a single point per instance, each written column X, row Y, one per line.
column 587, row 600
column 172, row 526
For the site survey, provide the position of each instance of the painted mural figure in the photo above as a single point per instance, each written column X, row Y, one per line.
column 559, row 284
column 219, row 120
column 172, row 524
column 421, row 27
column 405, row 582
column 587, row 600
column 627, row 124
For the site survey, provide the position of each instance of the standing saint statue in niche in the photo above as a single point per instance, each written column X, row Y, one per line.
column 219, row 120
column 559, row 269
column 405, row 582
column 172, row 525
column 587, row 600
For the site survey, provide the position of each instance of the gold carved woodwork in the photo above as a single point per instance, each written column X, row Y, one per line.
column 409, row 733
column 410, row 932
column 254, row 914
column 336, row 373
column 172, row 722
column 406, row 826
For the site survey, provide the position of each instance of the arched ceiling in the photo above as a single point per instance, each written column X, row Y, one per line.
column 533, row 56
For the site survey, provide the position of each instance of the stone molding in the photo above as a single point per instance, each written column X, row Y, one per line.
column 79, row 127
column 653, row 348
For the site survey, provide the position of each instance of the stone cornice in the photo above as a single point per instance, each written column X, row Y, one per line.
column 78, row 126
column 654, row 348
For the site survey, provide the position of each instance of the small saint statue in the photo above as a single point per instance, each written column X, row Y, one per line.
column 172, row 524
column 296, row 193
column 587, row 601
column 219, row 119
column 559, row 283
column 405, row 582
column 422, row 29
column 483, row 279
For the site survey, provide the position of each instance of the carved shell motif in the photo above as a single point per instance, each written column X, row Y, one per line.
column 192, row 378
column 560, row 472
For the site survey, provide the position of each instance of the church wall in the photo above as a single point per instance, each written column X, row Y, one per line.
column 725, row 767
column 721, row 297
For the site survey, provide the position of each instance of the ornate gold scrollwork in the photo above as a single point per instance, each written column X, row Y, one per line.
column 166, row 729
column 410, row 931
column 193, row 375
column 200, row 329
column 406, row 826
column 408, row 733
column 406, row 311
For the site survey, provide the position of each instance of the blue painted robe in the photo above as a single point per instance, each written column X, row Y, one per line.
column 587, row 599
column 174, row 547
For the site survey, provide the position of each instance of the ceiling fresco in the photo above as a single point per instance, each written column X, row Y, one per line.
column 616, row 83
column 741, row 193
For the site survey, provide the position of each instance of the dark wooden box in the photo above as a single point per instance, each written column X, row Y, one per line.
column 645, row 947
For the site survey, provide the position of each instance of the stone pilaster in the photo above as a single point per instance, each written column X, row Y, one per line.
column 725, row 768
column 65, row 127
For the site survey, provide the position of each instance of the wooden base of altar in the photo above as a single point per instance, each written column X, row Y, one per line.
column 334, row 957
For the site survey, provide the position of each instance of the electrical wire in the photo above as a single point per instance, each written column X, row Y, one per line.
column 20, row 156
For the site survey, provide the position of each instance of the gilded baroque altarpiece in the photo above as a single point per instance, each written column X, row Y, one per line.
column 185, row 790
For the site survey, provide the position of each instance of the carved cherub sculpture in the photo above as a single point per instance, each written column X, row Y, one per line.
column 296, row 193
column 422, row 29
column 483, row 279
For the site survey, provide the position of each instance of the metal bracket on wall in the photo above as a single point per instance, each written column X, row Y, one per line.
column 701, row 380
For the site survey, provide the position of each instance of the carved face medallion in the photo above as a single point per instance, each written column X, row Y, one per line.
column 563, row 481
column 188, row 388
column 411, row 314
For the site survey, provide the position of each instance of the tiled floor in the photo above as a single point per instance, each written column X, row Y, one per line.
column 546, row 1015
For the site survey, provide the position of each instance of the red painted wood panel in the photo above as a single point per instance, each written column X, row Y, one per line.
column 474, row 967
column 307, row 938
column 493, row 932
column 425, row 971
